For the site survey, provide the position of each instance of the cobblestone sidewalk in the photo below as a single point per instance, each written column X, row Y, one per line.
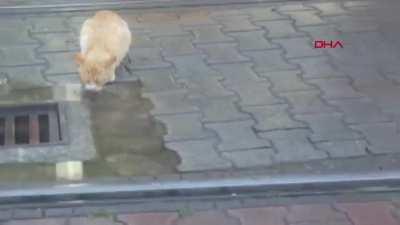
column 240, row 86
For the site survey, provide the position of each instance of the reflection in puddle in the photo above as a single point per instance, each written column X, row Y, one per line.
column 128, row 141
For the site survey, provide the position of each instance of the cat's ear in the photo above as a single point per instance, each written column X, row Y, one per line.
column 111, row 61
column 79, row 58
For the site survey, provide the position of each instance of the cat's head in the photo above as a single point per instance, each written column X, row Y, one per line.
column 95, row 72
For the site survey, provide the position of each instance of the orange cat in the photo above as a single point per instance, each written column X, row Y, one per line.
column 104, row 41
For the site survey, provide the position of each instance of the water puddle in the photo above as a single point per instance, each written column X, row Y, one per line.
column 112, row 134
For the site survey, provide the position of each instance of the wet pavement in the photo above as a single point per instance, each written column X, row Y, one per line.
column 236, row 87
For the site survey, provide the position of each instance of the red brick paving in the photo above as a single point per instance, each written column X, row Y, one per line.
column 148, row 218
column 375, row 213
column 314, row 212
column 260, row 216
column 208, row 218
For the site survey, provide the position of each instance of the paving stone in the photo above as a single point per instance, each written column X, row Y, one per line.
column 369, row 213
column 252, row 40
column 286, row 81
column 209, row 217
column 205, row 87
column 298, row 47
column 47, row 221
column 306, row 102
column 294, row 7
column 260, row 216
column 27, row 213
column 165, row 29
column 360, row 111
column 63, row 79
column 317, row 67
column 329, row 8
column 228, row 204
column 183, row 127
column 60, row 63
column 25, row 77
column 236, row 23
column 344, row 148
column 176, row 45
column 48, row 24
column 237, row 135
column 255, row 93
column 5, row 214
column 193, row 65
column 146, row 58
column 220, row 110
column 250, row 158
column 92, row 221
column 200, row 205
column 18, row 56
column 170, row 102
column 148, row 218
column 363, row 76
column 347, row 23
column 270, row 60
column 209, row 34
column 325, row 32
column 264, row 13
column 305, row 18
column 293, row 146
column 165, row 17
column 383, row 137
column 157, row 80
column 15, row 32
column 337, row 222
column 58, row 212
column 195, row 17
column 53, row 42
column 279, row 28
column 328, row 127
column 338, row 88
column 273, row 117
column 357, row 4
column 237, row 73
column 222, row 53
column 314, row 213
column 189, row 152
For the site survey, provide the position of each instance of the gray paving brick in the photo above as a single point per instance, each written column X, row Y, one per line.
column 344, row 148
column 48, row 24
column 18, row 56
column 58, row 212
column 305, row 18
column 328, row 127
column 194, row 65
column 347, row 23
column 154, row 17
column 362, row 75
column 222, row 53
column 273, row 117
column 166, row 29
column 325, row 32
column 329, row 8
column 385, row 94
column 205, row 87
column 220, row 110
column 236, row 23
column 92, row 220
column 294, row 7
column 250, row 158
column 25, row 77
column 337, row 88
column 157, row 80
column 145, row 58
column 286, row 81
column 383, row 137
column 47, row 221
column 5, row 214
column 15, row 32
column 270, row 60
column 252, row 40
column 57, row 42
column 209, row 34
column 279, row 28
column 184, row 127
column 263, row 13
column 255, row 93
column 293, row 146
column 356, row 4
column 27, row 213
column 200, row 205
column 317, row 67
column 236, row 73
column 298, row 47
column 177, row 45
column 306, row 102
column 143, row 40
column 60, row 63
column 195, row 18
column 170, row 102
column 360, row 111
column 189, row 152
column 63, row 79
column 237, row 135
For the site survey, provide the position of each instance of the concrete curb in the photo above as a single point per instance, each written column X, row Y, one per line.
column 304, row 184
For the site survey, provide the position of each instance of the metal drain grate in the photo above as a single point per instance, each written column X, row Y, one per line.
column 32, row 125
